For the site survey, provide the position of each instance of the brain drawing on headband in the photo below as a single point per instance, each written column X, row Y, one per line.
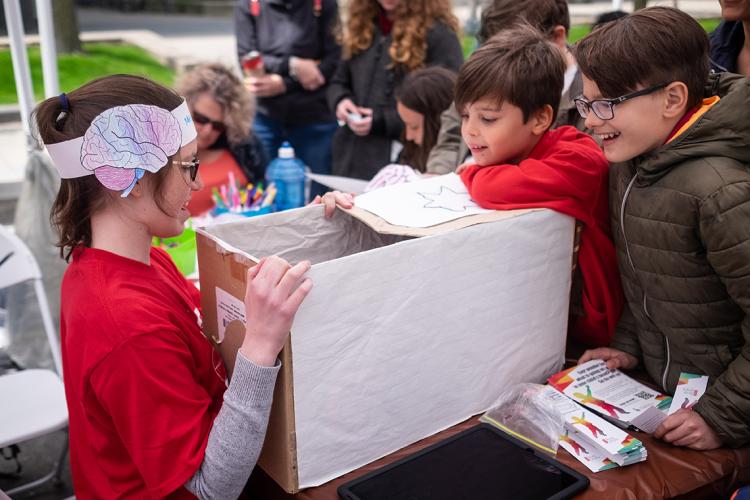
column 125, row 141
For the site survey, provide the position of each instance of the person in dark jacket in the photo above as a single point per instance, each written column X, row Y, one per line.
column 383, row 41
column 299, row 51
column 729, row 52
column 680, row 203
column 222, row 110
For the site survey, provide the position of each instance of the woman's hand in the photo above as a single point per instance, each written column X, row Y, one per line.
column 274, row 292
column 363, row 125
column 344, row 108
column 266, row 85
column 687, row 428
column 615, row 358
column 307, row 72
column 333, row 198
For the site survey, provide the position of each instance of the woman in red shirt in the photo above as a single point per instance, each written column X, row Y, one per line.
column 222, row 110
column 151, row 414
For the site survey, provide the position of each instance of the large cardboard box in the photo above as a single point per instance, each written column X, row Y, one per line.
column 402, row 335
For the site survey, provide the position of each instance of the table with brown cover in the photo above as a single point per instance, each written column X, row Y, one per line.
column 669, row 472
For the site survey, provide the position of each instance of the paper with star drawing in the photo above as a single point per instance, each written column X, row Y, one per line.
column 423, row 203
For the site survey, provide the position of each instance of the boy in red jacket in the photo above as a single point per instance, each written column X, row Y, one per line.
column 507, row 94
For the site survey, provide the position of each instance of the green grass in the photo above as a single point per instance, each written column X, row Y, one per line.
column 74, row 70
column 579, row 31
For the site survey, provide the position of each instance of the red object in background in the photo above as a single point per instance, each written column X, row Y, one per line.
column 255, row 8
column 252, row 64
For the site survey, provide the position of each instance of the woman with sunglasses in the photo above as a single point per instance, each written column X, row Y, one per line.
column 150, row 412
column 222, row 110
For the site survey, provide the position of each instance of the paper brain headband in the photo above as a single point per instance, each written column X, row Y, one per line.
column 123, row 142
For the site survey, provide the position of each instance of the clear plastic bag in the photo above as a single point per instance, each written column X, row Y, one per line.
column 526, row 413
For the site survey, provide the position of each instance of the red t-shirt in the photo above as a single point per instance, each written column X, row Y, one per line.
column 140, row 381
column 567, row 172
column 214, row 175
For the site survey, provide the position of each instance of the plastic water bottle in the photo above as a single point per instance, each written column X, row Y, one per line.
column 288, row 173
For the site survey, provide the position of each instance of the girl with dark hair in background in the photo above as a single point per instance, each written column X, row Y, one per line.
column 420, row 101
column 383, row 41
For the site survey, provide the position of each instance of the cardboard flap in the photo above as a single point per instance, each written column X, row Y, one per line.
column 381, row 226
column 226, row 270
column 295, row 235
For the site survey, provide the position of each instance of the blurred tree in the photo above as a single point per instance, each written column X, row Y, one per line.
column 639, row 4
column 66, row 26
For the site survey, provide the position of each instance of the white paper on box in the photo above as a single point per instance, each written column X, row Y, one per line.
column 379, row 359
column 422, row 203
column 228, row 309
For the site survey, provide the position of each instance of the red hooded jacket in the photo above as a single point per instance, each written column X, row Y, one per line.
column 567, row 172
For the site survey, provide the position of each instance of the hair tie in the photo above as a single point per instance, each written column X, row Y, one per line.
column 65, row 102
column 65, row 107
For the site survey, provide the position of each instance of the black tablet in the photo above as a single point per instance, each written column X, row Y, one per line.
column 481, row 462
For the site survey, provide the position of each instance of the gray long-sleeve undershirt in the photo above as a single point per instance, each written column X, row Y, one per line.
column 237, row 434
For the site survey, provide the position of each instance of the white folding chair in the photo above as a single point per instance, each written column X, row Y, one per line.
column 32, row 401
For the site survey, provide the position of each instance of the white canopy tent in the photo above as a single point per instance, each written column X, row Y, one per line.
column 21, row 70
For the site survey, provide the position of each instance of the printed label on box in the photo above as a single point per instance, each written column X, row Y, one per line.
column 228, row 309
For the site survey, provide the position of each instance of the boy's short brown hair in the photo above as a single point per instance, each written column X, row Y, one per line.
column 649, row 47
column 543, row 15
column 518, row 66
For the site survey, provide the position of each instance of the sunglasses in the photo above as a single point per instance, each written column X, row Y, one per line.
column 203, row 120
column 604, row 109
column 192, row 165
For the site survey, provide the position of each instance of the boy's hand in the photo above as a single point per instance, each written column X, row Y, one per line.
column 274, row 292
column 615, row 358
column 687, row 428
column 463, row 167
column 333, row 198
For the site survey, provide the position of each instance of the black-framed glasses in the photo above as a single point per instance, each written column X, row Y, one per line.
column 203, row 120
column 192, row 165
column 604, row 109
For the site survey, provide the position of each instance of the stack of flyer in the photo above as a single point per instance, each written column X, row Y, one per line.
column 592, row 440
column 616, row 397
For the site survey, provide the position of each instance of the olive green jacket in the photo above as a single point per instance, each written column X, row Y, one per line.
column 681, row 223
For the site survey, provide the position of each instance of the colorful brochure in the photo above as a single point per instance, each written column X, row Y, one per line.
column 608, row 438
column 592, row 440
column 689, row 390
column 612, row 394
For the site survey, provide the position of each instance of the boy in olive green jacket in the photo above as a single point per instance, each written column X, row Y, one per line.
column 680, row 206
